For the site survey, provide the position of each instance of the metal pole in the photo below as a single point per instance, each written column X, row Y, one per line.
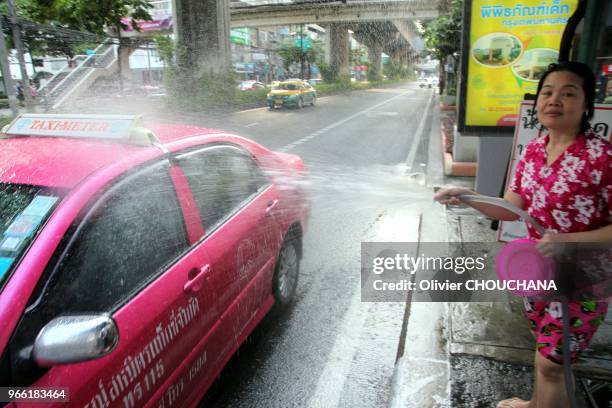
column 302, row 51
column 6, row 73
column 149, row 64
column 19, row 47
column 119, row 65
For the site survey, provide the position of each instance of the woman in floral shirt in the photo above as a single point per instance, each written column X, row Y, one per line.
column 564, row 181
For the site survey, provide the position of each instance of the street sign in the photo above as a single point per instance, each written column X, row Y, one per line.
column 240, row 36
column 306, row 42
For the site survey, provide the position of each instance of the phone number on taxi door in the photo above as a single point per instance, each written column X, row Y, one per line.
column 33, row 394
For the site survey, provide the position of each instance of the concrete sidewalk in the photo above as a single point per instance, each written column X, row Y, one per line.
column 476, row 354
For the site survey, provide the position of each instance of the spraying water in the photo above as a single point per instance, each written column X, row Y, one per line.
column 362, row 187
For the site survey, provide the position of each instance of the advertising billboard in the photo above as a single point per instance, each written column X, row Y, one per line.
column 507, row 47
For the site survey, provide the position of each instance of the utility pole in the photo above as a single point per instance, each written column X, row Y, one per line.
column 119, row 64
column 302, row 51
column 6, row 73
column 19, row 47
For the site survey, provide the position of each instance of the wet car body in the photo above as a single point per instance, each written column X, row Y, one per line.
column 129, row 234
column 251, row 86
column 292, row 93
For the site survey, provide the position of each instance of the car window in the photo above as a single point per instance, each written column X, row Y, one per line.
column 289, row 86
column 221, row 179
column 132, row 232
column 23, row 211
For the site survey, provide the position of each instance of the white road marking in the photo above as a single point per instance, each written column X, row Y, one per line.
column 418, row 135
column 341, row 122
column 332, row 378
column 252, row 124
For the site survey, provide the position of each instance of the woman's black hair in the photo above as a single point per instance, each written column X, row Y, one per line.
column 588, row 86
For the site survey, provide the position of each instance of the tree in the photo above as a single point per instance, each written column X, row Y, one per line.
column 292, row 54
column 92, row 16
column 68, row 27
column 443, row 35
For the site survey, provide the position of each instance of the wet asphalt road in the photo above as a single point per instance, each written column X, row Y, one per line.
column 330, row 349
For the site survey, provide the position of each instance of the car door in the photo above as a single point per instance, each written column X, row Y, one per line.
column 237, row 204
column 127, row 256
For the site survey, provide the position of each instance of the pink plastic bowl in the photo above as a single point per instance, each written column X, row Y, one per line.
column 520, row 261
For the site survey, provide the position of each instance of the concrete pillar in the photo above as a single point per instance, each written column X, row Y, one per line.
column 327, row 45
column 124, row 61
column 339, row 49
column 202, row 30
column 375, row 58
column 405, row 58
column 493, row 156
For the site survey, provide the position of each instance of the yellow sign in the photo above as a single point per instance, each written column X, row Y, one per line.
column 511, row 45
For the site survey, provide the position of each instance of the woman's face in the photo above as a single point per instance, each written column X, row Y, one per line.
column 561, row 102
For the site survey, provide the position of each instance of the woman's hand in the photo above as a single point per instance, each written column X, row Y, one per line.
column 552, row 244
column 448, row 195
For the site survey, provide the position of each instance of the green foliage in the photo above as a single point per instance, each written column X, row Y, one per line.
column 359, row 56
column 165, row 48
column 211, row 90
column 443, row 35
column 292, row 54
column 250, row 98
column 345, row 86
column 5, row 120
column 81, row 15
column 395, row 70
column 92, row 16
column 328, row 72
column 374, row 75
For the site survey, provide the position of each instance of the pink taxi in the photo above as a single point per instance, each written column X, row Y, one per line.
column 133, row 261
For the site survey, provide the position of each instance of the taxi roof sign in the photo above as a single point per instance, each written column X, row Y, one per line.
column 118, row 128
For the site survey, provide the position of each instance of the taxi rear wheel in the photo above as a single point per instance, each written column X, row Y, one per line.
column 300, row 103
column 286, row 272
column 314, row 101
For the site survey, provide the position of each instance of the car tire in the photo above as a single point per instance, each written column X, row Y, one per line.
column 300, row 103
column 314, row 101
column 286, row 272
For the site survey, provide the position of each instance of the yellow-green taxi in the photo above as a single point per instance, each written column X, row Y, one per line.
column 292, row 93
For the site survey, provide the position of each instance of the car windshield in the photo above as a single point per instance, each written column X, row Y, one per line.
column 23, row 210
column 289, row 86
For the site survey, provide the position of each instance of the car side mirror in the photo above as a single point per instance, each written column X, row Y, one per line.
column 72, row 339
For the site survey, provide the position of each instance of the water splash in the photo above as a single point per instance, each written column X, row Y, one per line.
column 362, row 187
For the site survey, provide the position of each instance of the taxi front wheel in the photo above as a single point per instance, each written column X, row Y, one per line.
column 300, row 104
column 286, row 272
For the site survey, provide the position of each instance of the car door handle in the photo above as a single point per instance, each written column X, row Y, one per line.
column 271, row 205
column 195, row 284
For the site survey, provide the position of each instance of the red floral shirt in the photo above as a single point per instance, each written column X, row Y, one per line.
column 573, row 194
